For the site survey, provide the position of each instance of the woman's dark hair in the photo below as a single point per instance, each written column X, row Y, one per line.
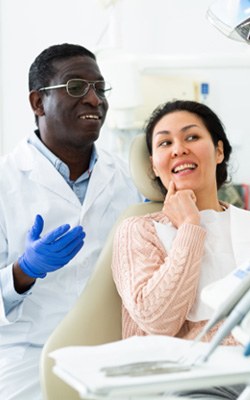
column 209, row 119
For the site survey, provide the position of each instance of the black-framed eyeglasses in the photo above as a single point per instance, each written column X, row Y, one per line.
column 80, row 87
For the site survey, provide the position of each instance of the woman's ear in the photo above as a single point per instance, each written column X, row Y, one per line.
column 36, row 102
column 153, row 167
column 220, row 152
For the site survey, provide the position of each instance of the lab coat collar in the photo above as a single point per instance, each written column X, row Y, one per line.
column 101, row 176
column 44, row 172
column 28, row 158
column 24, row 155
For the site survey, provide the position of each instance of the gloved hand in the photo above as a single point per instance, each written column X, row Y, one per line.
column 51, row 252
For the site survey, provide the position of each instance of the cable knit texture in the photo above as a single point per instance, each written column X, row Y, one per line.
column 158, row 289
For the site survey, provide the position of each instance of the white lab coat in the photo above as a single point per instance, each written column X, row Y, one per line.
column 30, row 185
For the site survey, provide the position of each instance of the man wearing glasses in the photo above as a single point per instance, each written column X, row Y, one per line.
column 55, row 186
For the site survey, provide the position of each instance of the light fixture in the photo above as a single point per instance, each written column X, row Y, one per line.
column 232, row 18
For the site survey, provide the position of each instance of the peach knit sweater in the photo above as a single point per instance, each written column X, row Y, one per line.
column 158, row 289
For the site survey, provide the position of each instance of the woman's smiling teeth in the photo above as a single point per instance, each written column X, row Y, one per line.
column 183, row 167
column 90, row 116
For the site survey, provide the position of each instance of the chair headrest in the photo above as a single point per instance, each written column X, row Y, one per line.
column 141, row 170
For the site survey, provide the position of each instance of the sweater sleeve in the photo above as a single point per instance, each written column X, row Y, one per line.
column 157, row 289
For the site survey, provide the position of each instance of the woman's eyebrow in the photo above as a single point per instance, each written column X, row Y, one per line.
column 183, row 129
column 162, row 133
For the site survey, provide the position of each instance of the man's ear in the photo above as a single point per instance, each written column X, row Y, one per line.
column 220, row 152
column 36, row 102
column 153, row 167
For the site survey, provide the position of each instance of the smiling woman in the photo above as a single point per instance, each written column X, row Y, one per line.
column 185, row 154
column 191, row 125
column 162, row 261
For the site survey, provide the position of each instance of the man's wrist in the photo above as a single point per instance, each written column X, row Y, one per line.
column 22, row 281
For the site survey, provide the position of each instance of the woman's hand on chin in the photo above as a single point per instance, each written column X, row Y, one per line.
column 180, row 206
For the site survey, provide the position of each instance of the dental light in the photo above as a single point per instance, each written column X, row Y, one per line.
column 232, row 18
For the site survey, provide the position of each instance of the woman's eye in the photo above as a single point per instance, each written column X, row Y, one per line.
column 190, row 138
column 165, row 143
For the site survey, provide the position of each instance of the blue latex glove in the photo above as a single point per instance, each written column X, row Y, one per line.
column 51, row 252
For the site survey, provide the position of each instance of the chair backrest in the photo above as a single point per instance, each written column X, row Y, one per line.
column 96, row 316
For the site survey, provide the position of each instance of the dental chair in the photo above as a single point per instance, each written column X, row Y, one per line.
column 96, row 316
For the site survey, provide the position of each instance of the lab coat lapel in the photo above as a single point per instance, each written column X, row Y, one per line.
column 101, row 176
column 240, row 234
column 44, row 173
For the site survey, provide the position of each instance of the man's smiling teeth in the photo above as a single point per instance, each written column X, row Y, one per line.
column 89, row 116
column 184, row 166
